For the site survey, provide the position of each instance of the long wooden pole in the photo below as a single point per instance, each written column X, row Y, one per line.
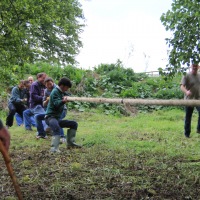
column 161, row 102
column 10, row 170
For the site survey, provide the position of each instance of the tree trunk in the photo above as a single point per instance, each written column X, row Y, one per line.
column 160, row 102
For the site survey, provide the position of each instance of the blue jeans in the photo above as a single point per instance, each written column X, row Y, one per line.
column 28, row 119
column 56, row 124
column 38, row 120
column 188, row 119
column 19, row 119
column 40, row 126
column 28, row 116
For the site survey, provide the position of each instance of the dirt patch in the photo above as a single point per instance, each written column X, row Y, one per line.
column 98, row 173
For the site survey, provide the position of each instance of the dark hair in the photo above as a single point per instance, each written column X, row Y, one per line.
column 40, row 74
column 26, row 82
column 48, row 79
column 65, row 81
column 21, row 82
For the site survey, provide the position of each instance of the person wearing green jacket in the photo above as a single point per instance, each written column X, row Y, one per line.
column 58, row 98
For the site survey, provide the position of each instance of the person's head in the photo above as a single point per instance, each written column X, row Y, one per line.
column 64, row 84
column 41, row 77
column 194, row 68
column 30, row 79
column 27, row 84
column 21, row 84
column 49, row 83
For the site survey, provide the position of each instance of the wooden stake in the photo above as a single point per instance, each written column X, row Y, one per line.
column 10, row 169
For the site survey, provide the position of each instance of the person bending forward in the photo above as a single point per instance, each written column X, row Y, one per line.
column 54, row 110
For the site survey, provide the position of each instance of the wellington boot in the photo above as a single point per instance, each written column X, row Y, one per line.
column 55, row 144
column 71, row 134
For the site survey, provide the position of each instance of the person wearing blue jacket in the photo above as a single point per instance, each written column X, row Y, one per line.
column 16, row 103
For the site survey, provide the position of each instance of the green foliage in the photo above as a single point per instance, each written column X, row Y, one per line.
column 32, row 30
column 183, row 20
column 114, row 82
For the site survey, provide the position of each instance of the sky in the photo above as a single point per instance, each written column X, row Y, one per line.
column 128, row 30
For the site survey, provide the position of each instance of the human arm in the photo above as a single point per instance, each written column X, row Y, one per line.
column 185, row 91
column 46, row 98
column 15, row 96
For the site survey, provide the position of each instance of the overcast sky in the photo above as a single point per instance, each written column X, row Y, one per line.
column 129, row 30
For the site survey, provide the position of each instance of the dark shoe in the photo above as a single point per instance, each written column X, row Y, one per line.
column 198, row 131
column 187, row 136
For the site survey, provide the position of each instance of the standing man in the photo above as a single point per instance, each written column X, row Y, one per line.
column 16, row 103
column 54, row 111
column 190, row 85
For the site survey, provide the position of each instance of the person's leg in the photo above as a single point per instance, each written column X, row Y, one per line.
column 39, row 125
column 188, row 118
column 61, row 129
column 54, row 125
column 10, row 117
column 27, row 114
column 198, row 122
column 71, row 132
column 19, row 119
column 32, row 121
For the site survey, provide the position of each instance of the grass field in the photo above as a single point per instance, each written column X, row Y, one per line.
column 141, row 157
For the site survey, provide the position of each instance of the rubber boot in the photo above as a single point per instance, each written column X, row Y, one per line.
column 71, row 134
column 55, row 144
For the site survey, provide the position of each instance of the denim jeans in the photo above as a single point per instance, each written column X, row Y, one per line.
column 18, row 119
column 38, row 120
column 41, row 127
column 28, row 116
column 56, row 124
column 188, row 118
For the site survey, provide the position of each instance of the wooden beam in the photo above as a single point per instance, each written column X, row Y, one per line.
column 160, row 102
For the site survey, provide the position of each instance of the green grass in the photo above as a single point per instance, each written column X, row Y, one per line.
column 141, row 157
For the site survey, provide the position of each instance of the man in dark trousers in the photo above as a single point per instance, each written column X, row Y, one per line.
column 16, row 103
column 190, row 85
column 54, row 111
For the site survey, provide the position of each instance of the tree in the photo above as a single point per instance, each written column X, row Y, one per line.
column 32, row 30
column 183, row 20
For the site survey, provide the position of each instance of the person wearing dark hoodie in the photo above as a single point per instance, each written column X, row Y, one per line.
column 36, row 100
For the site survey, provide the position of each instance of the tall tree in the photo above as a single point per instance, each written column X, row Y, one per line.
column 32, row 30
column 183, row 20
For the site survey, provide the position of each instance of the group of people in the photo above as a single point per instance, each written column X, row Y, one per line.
column 42, row 104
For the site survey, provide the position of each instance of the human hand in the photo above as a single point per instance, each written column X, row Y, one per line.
column 188, row 93
column 64, row 99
